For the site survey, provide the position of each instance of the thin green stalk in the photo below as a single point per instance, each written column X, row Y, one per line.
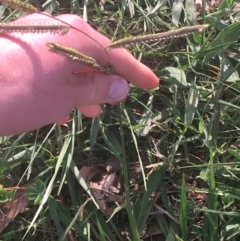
column 59, row 136
column 213, row 227
column 203, row 17
column 130, row 210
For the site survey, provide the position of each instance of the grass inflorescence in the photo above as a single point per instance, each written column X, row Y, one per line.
column 174, row 34
column 20, row 5
column 75, row 55
column 33, row 28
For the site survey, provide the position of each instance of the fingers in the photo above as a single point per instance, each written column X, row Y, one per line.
column 88, row 90
column 63, row 120
column 85, row 90
column 91, row 110
column 96, row 88
column 123, row 62
column 92, row 43
column 132, row 70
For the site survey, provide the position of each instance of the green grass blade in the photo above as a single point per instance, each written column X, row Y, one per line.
column 144, row 207
column 130, row 209
column 4, row 159
column 101, row 232
column 51, row 183
column 191, row 14
column 136, row 146
column 175, row 76
column 68, row 158
column 146, row 118
column 54, row 215
column 212, row 203
column 94, row 130
column 224, row 39
column 183, row 211
column 191, row 106
column 81, row 181
column 63, row 237
column 177, row 7
column 111, row 141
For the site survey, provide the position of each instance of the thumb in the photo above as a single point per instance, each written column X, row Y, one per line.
column 89, row 90
column 88, row 111
column 97, row 88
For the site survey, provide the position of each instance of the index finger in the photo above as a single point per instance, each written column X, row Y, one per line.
column 133, row 70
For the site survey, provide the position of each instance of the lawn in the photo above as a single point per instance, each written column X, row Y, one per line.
column 163, row 165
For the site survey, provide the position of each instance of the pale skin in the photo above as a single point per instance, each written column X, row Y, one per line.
column 39, row 87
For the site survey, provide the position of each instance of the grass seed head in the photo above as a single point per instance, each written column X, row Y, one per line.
column 19, row 5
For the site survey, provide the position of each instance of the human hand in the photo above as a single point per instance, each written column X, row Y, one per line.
column 39, row 87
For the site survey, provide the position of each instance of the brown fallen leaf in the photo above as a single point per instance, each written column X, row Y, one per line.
column 93, row 173
column 150, row 230
column 112, row 164
column 104, row 184
column 11, row 209
column 209, row 5
column 195, row 194
column 109, row 187
column 198, row 6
